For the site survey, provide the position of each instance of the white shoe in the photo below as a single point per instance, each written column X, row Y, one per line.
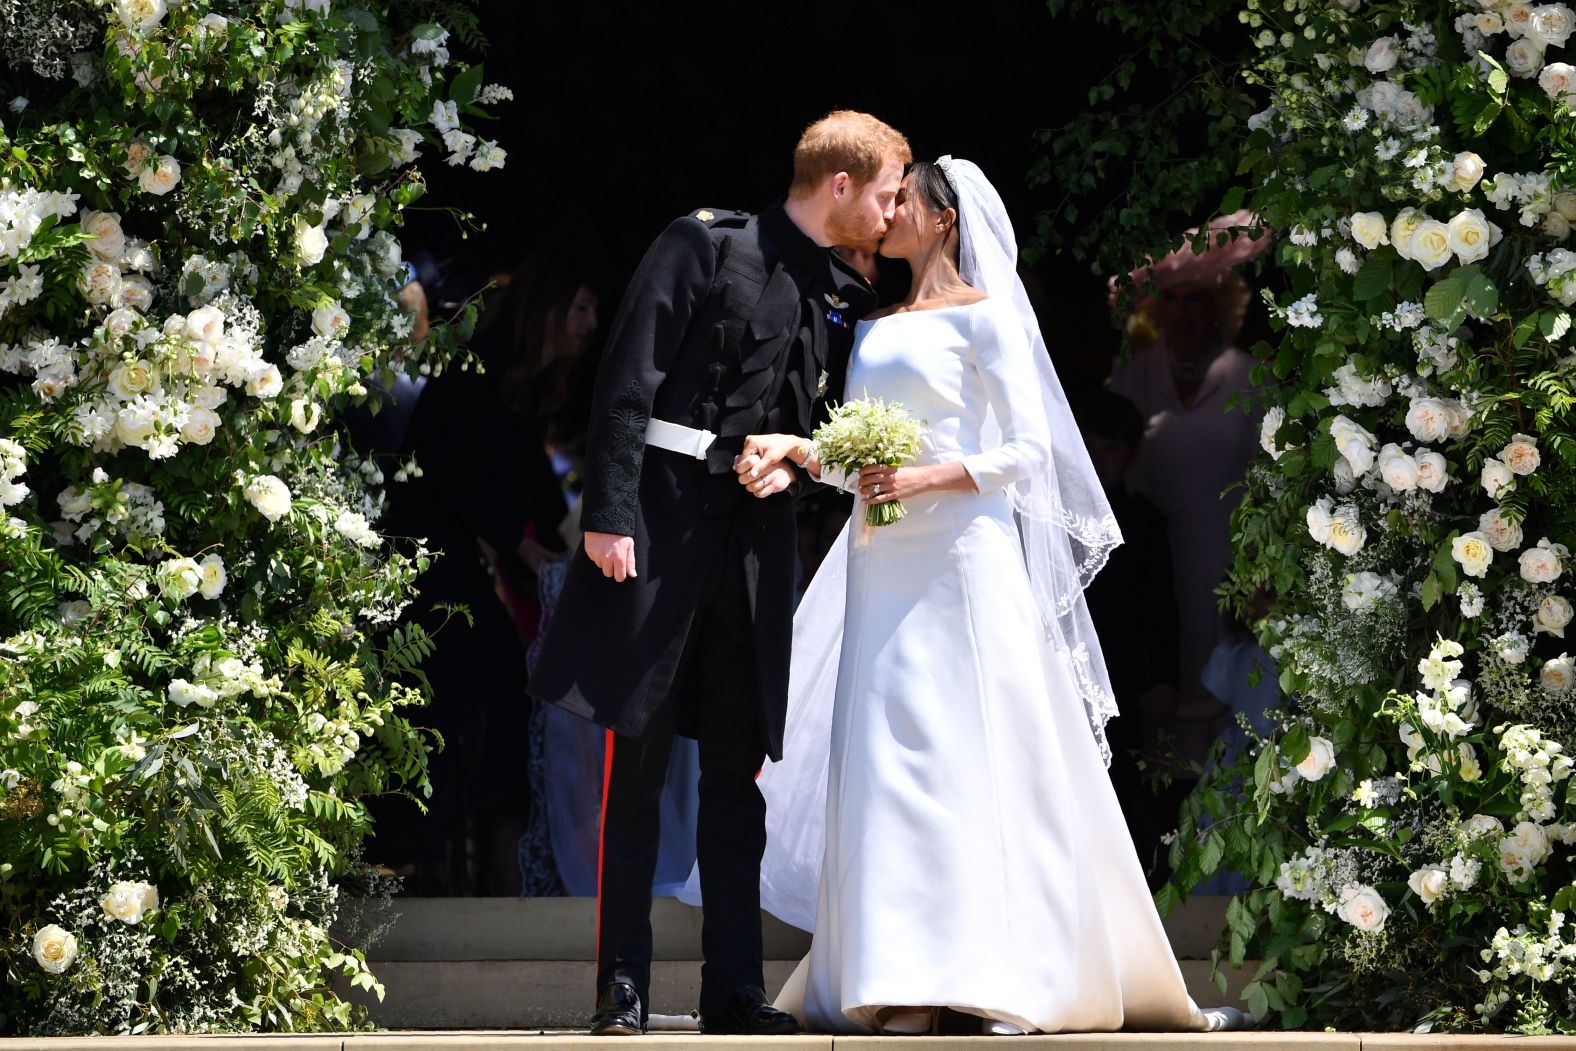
column 996, row 1027
column 1220, row 1019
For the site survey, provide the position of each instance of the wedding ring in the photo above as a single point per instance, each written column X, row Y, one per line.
column 877, row 490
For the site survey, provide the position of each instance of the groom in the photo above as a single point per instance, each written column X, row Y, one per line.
column 678, row 618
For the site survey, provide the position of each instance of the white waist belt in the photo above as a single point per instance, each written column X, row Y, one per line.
column 677, row 438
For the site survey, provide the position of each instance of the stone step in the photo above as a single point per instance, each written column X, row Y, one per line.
column 565, row 929
column 522, row 994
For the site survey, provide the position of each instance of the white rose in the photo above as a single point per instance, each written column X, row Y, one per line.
column 304, row 414
column 1504, row 534
column 1403, row 228
column 311, row 243
column 1552, row 615
column 387, row 256
column 1397, row 468
column 1430, row 244
column 161, row 176
column 1381, row 56
column 137, row 154
column 1565, row 204
column 135, row 292
column 131, row 378
column 1345, row 480
column 213, row 576
column 1466, row 171
column 1524, row 849
column 1496, row 478
column 1432, row 471
column 109, row 240
column 124, row 902
column 1474, row 553
column 1459, row 415
column 330, row 320
column 99, row 282
column 1469, row 235
column 1429, row 883
column 266, row 383
column 1524, row 57
column 1363, row 908
column 1320, row 759
column 1354, row 442
column 1551, row 24
column 211, row 397
column 1557, row 79
column 211, row 25
column 140, row 14
column 1558, row 673
column 179, row 578
column 205, row 325
column 1319, row 521
column 54, row 948
column 1521, row 455
column 200, row 426
column 1428, row 419
column 121, row 321
column 1555, row 226
column 1370, row 230
column 269, row 495
column 1539, row 565
column 1347, row 534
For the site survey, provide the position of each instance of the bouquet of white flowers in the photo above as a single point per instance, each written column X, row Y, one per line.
column 869, row 432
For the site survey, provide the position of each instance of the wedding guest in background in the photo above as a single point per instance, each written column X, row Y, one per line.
column 1196, row 446
column 488, row 498
column 1135, row 614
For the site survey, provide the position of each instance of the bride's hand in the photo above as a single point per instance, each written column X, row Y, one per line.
column 761, row 452
column 880, row 485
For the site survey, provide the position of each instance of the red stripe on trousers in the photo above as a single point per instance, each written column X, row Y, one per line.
column 601, row 842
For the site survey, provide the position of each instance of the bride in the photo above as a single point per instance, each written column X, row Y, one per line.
column 949, row 696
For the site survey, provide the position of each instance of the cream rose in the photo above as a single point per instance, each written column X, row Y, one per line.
column 140, row 14
column 1504, row 534
column 1552, row 615
column 1469, row 235
column 1466, row 171
column 1363, row 908
column 1524, row 57
column 109, row 240
column 1429, row 883
column 1551, row 25
column 135, row 292
column 1320, row 759
column 1433, row 473
column 1347, row 534
column 1558, row 673
column 330, row 320
column 1370, row 230
column 311, row 243
column 161, row 176
column 1521, row 455
column 1430, row 245
column 1565, row 204
column 205, row 325
column 1319, row 521
column 179, row 578
column 99, row 282
column 213, row 576
column 137, row 154
column 1555, row 226
column 1496, row 478
column 1539, row 565
column 304, row 414
column 54, row 948
column 266, row 383
column 1403, row 228
column 126, row 902
column 121, row 322
column 269, row 495
column 1557, row 79
column 1381, row 56
column 131, row 378
column 1474, row 553
column 1397, row 468
column 1428, row 419
column 200, row 426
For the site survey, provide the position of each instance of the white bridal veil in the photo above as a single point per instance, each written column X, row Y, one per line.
column 1067, row 530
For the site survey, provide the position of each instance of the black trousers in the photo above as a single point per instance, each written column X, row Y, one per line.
column 719, row 672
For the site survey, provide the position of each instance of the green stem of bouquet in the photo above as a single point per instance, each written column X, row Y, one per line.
column 884, row 514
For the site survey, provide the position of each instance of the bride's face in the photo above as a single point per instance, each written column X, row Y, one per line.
column 913, row 224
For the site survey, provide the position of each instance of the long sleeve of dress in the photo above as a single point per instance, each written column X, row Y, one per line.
column 668, row 288
column 1004, row 360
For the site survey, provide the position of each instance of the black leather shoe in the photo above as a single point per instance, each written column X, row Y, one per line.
column 618, row 1012
column 749, row 1013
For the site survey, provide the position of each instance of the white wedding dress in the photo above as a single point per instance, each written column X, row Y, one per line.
column 975, row 856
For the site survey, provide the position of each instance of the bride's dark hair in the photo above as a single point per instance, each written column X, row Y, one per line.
column 931, row 183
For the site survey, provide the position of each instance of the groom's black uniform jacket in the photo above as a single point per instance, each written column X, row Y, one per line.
column 731, row 324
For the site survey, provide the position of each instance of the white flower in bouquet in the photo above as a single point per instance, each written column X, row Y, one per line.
column 1511, row 647
column 1397, row 468
column 1347, row 260
column 1430, row 419
column 1521, row 852
column 1551, row 24
column 213, row 576
column 1274, row 417
column 1363, row 907
column 445, row 116
column 489, row 156
column 99, row 282
column 179, row 578
column 1354, row 442
column 1521, row 454
column 109, row 240
column 1347, row 534
column 304, row 414
column 459, row 144
column 330, row 319
column 135, row 291
column 1429, row 883
column 1552, row 615
column 1440, row 668
column 1403, row 228
column 1555, row 227
column 1496, row 478
column 311, row 243
column 1466, row 171
column 1353, row 389
column 54, row 949
column 353, row 526
column 1541, row 564
column 1471, row 599
column 130, row 379
column 1320, row 759
column 140, row 14
column 1382, row 55
column 129, row 902
column 1471, row 235
column 1430, row 244
column 186, row 693
column 1468, row 768
column 1558, row 674
column 1364, row 589
column 211, row 27
column 1503, row 532
column 265, row 382
column 205, row 325
column 1474, row 552
column 161, row 176
column 1370, row 229
column 1464, row 871
column 269, row 495
column 1319, row 516
column 1558, row 80
column 1565, row 203
column 406, row 142
column 869, row 432
column 1480, row 826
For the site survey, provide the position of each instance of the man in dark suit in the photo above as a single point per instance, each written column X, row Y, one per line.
column 678, row 618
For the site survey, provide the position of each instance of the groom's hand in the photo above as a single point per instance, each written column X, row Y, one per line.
column 614, row 555
column 770, row 479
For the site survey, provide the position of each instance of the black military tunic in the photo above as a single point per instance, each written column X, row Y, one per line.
column 730, row 324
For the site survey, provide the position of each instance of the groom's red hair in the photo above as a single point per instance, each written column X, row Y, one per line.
column 845, row 140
